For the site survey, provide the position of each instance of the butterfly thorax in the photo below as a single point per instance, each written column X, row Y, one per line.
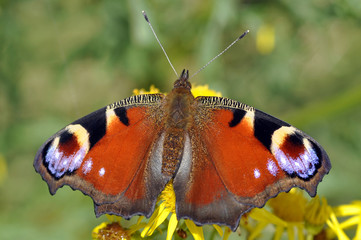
column 179, row 104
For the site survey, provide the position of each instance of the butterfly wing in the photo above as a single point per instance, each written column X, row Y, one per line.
column 252, row 156
column 112, row 155
column 200, row 192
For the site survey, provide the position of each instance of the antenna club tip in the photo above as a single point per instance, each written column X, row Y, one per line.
column 145, row 16
column 243, row 34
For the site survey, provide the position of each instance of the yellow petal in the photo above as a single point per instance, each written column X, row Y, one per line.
column 350, row 222
column 291, row 232
column 289, row 206
column 347, row 210
column 257, row 230
column 96, row 229
column 358, row 230
column 203, row 90
column 158, row 221
column 135, row 228
column 300, row 233
column 196, row 231
column 173, row 222
column 219, row 229
column 279, row 232
column 152, row 219
column 152, row 90
column 335, row 226
column 262, row 215
column 168, row 197
column 227, row 233
column 140, row 219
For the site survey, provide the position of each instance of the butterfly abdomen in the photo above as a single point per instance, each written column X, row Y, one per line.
column 172, row 151
column 179, row 103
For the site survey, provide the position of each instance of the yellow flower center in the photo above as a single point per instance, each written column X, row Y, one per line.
column 289, row 206
column 110, row 231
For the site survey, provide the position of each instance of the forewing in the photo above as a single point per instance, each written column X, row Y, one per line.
column 110, row 155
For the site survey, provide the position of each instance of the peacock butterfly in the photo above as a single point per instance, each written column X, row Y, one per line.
column 224, row 157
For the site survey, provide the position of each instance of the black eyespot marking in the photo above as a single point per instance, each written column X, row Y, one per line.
column 121, row 113
column 65, row 137
column 318, row 153
column 45, row 151
column 238, row 114
column 296, row 139
column 95, row 124
column 264, row 127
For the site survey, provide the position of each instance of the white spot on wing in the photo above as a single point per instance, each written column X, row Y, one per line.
column 57, row 155
column 272, row 167
column 256, row 173
column 101, row 172
column 87, row 166
column 77, row 160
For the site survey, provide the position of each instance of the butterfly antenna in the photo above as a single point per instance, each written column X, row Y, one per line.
column 156, row 37
column 230, row 45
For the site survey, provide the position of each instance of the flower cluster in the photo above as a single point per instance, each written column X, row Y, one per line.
column 289, row 213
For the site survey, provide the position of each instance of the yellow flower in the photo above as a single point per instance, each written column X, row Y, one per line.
column 289, row 206
column 203, row 90
column 334, row 225
column 353, row 211
column 166, row 207
column 152, row 89
column 292, row 211
column 288, row 214
column 316, row 214
column 113, row 229
column 3, row 169
column 265, row 39
column 110, row 231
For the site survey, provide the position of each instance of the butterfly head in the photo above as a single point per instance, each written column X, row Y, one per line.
column 182, row 81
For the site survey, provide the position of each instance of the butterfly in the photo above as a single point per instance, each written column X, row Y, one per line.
column 222, row 156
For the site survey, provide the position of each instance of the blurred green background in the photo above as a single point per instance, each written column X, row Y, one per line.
column 60, row 60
